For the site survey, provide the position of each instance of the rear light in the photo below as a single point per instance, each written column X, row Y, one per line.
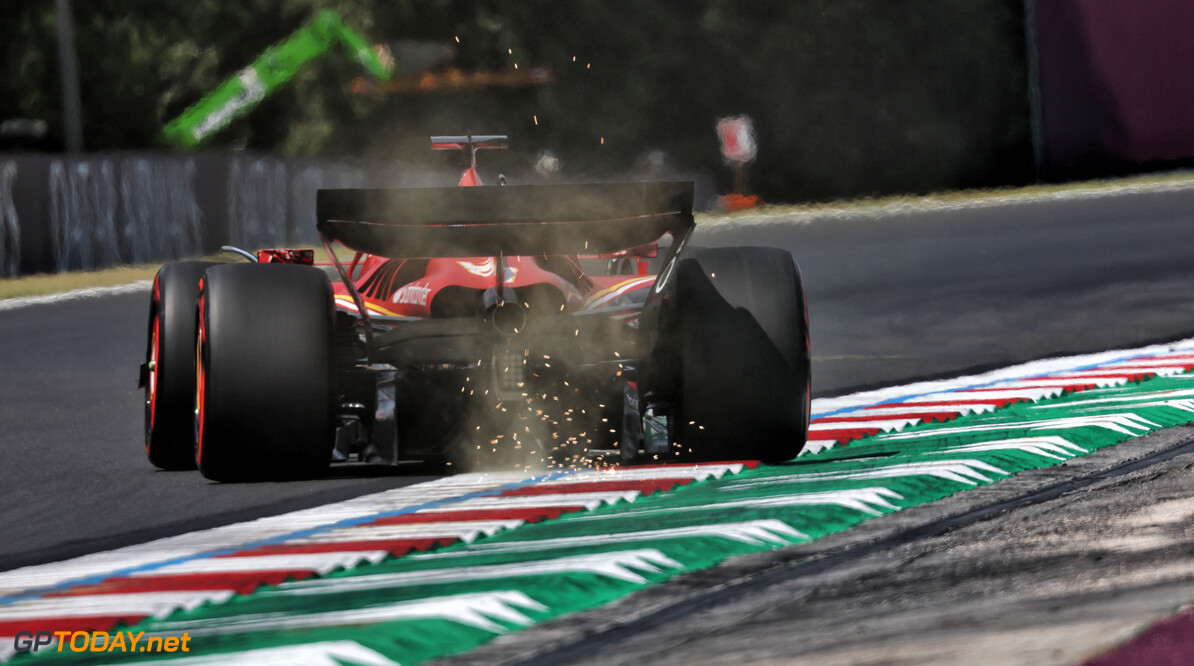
column 510, row 366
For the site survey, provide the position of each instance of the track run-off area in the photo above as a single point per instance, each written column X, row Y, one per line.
column 437, row 568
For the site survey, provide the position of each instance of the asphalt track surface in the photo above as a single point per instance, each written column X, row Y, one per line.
column 892, row 298
column 920, row 294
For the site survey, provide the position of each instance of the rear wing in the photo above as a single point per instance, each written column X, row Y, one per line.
column 510, row 221
column 468, row 141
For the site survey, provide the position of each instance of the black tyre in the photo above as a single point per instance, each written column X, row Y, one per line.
column 264, row 395
column 730, row 358
column 170, row 359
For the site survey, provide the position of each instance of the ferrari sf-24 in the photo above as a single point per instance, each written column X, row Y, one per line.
column 554, row 324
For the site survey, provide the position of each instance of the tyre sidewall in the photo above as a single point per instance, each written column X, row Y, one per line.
column 169, row 441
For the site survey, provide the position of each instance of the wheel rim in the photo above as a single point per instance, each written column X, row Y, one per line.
column 200, row 378
column 155, row 353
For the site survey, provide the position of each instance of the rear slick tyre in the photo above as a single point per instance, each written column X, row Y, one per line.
column 264, row 389
column 170, row 359
column 733, row 351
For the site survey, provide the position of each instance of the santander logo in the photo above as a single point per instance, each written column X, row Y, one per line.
column 412, row 294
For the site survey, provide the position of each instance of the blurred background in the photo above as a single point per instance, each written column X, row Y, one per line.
column 848, row 98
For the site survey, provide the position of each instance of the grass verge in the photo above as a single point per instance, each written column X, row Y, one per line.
column 54, row 283
column 1183, row 178
column 43, row 284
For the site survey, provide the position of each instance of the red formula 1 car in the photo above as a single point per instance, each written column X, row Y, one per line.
column 480, row 325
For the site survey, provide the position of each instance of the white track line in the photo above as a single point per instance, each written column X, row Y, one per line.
column 75, row 294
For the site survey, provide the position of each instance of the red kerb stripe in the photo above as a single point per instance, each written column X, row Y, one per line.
column 998, row 402
column 392, row 546
column 529, row 514
column 856, row 418
column 844, row 435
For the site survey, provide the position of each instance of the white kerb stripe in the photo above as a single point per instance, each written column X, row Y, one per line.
column 139, row 603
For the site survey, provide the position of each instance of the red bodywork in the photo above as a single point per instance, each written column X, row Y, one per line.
column 407, row 287
column 286, row 256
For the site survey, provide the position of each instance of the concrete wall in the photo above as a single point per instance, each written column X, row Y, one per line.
column 61, row 213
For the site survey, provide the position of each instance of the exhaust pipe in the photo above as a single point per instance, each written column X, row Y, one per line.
column 508, row 317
